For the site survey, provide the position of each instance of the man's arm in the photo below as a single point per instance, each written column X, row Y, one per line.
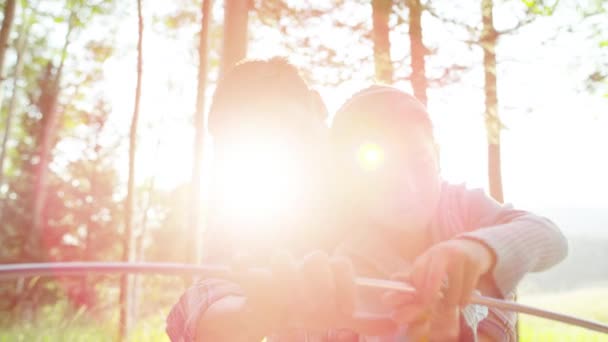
column 229, row 319
column 211, row 310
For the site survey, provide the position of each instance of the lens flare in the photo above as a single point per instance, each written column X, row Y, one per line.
column 258, row 182
column 370, row 156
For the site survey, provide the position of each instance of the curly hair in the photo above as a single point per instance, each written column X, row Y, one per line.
column 260, row 90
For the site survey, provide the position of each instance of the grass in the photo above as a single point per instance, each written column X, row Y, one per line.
column 588, row 303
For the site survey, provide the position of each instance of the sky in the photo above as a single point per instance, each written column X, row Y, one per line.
column 554, row 146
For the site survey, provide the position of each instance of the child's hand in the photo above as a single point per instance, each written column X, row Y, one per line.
column 441, row 324
column 424, row 323
column 450, row 270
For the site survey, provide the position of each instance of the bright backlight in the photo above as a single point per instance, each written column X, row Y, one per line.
column 258, row 182
column 370, row 156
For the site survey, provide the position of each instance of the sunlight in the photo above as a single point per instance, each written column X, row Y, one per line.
column 257, row 182
column 370, row 156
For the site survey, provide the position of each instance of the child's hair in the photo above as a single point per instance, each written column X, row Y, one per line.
column 380, row 106
column 261, row 92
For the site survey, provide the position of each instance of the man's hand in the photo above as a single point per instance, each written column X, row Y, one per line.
column 316, row 293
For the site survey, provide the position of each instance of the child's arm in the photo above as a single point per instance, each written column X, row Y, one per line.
column 520, row 241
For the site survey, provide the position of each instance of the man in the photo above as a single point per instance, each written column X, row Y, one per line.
column 264, row 108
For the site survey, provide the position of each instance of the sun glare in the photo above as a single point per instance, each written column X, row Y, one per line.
column 370, row 156
column 257, row 182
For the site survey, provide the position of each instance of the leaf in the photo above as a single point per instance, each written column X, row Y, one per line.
column 529, row 3
column 59, row 20
column 97, row 9
column 604, row 43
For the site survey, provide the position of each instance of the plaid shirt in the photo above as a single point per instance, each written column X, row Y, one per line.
column 183, row 318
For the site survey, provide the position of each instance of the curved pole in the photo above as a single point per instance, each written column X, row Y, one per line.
column 77, row 268
column 494, row 303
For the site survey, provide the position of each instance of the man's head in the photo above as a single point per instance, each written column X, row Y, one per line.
column 268, row 94
column 268, row 130
column 383, row 140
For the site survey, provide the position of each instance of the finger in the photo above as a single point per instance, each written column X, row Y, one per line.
column 410, row 313
column 455, row 279
column 401, row 276
column 397, row 299
column 469, row 283
column 417, row 274
column 434, row 276
column 240, row 269
column 419, row 330
column 344, row 279
column 317, row 280
column 370, row 325
column 445, row 324
column 284, row 274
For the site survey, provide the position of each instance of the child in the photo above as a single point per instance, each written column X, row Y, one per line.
column 405, row 221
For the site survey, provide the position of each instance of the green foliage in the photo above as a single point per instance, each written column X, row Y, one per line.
column 81, row 214
column 541, row 7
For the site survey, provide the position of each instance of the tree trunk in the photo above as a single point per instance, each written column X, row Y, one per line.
column 493, row 124
column 381, row 11
column 7, row 23
column 141, row 236
column 236, row 14
column 417, row 51
column 130, row 200
column 139, row 249
column 47, row 103
column 10, row 110
column 196, row 224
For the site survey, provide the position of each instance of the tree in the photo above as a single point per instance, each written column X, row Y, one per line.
column 5, row 30
column 488, row 40
column 130, row 200
column 199, row 129
column 381, row 11
column 236, row 17
column 50, row 84
column 417, row 51
column 493, row 125
column 594, row 14
column 20, row 46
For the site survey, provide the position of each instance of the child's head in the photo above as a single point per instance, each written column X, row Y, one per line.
column 268, row 130
column 383, row 140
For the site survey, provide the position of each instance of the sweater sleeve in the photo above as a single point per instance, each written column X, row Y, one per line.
column 521, row 241
column 183, row 319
